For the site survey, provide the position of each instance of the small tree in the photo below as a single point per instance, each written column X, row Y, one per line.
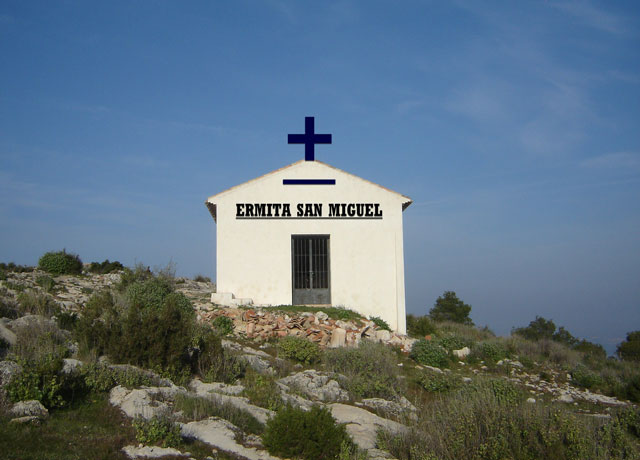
column 538, row 329
column 449, row 308
column 629, row 350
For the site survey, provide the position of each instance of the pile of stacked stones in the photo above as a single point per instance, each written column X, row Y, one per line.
column 262, row 324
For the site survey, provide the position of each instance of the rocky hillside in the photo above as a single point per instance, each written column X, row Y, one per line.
column 459, row 392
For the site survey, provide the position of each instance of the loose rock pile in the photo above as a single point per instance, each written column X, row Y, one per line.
column 263, row 324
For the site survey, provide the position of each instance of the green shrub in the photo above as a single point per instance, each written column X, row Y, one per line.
column 105, row 267
column 150, row 293
column 158, row 430
column 46, row 283
column 98, row 377
column 155, row 335
column 632, row 388
column 629, row 350
column 12, row 267
column 60, row 263
column 67, row 320
column 196, row 408
column 429, row 353
column 370, row 369
column 42, row 379
column 202, row 279
column 131, row 377
column 8, row 308
column 37, row 303
column 224, row 325
column 211, row 361
column 453, row 342
column 382, row 324
column 38, row 339
column 262, row 391
column 312, row 435
column 438, row 383
column 420, row 326
column 298, row 349
column 583, row 377
column 491, row 351
column 476, row 425
column 505, row 391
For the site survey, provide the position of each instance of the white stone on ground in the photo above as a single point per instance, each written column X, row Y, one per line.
column 362, row 425
column 315, row 385
column 220, row 434
column 152, row 452
column 29, row 408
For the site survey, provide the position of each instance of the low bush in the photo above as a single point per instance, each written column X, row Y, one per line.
column 37, row 303
column 420, row 326
column 382, row 324
column 159, row 430
column 453, row 342
column 202, row 279
column 46, row 283
column 60, row 263
column 491, row 352
column 583, row 377
column 67, row 320
column 196, row 408
column 105, row 267
column 40, row 338
column 12, row 267
column 483, row 422
column 8, row 308
column 313, row 435
column 262, row 391
column 438, row 383
column 298, row 349
column 210, row 360
column 223, row 324
column 429, row 353
column 42, row 379
column 370, row 369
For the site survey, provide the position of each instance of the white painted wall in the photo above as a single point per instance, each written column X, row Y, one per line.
column 366, row 256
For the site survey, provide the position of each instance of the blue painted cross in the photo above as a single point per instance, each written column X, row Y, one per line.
column 309, row 138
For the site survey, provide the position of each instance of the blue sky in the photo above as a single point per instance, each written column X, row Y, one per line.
column 514, row 126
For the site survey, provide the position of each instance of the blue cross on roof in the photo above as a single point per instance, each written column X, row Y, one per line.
column 309, row 138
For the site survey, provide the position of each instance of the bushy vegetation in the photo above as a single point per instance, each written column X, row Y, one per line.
column 545, row 329
column 223, row 324
column 60, row 263
column 487, row 421
column 147, row 323
column 420, row 326
column 380, row 323
column 13, row 268
column 298, row 349
column 37, row 303
column 262, row 390
column 202, row 279
column 313, row 435
column 370, row 369
column 429, row 353
column 158, row 430
column 449, row 308
column 629, row 350
column 105, row 267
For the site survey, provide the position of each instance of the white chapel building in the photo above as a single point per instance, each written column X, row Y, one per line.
column 311, row 234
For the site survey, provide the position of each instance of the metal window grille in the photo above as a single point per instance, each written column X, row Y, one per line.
column 310, row 261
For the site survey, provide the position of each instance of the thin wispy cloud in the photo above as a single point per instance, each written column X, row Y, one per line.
column 616, row 160
column 591, row 16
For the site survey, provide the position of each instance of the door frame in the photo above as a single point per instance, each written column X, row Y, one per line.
column 327, row 236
